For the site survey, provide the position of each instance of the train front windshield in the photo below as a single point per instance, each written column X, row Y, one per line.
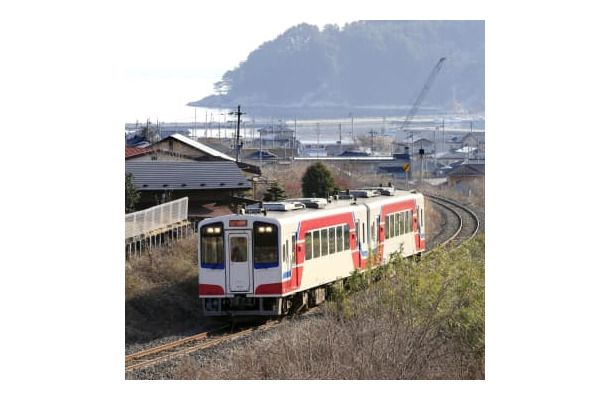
column 266, row 251
column 212, row 245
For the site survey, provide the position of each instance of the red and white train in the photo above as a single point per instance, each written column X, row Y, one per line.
column 290, row 252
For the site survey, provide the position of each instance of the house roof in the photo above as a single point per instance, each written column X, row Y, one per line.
column 468, row 170
column 169, row 175
column 264, row 154
column 136, row 151
column 199, row 146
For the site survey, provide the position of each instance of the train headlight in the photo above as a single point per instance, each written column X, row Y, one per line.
column 216, row 230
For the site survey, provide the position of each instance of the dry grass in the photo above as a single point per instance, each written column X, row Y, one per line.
column 420, row 321
column 161, row 295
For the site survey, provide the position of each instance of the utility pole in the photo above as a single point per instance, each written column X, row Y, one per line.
column 239, row 114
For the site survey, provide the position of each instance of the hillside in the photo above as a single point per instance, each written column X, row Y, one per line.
column 363, row 64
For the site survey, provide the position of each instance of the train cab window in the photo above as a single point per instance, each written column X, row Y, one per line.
column 316, row 244
column 212, row 244
column 266, row 244
column 346, row 245
column 331, row 240
column 308, row 246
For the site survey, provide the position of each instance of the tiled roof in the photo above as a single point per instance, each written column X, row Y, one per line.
column 201, row 147
column 168, row 175
column 136, row 151
column 469, row 170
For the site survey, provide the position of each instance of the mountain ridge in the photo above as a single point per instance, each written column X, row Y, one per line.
column 363, row 64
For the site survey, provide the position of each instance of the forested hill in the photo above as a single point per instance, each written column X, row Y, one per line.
column 363, row 64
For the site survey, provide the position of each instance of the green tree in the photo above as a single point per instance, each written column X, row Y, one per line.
column 274, row 193
column 132, row 196
column 317, row 181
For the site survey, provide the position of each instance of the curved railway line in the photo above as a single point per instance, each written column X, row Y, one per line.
column 459, row 224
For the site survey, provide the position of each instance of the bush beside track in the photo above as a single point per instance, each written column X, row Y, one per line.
column 404, row 320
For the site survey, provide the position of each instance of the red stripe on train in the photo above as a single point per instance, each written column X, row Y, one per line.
column 210, row 290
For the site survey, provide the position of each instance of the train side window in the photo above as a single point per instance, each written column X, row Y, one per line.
column 316, row 244
column 346, row 245
column 363, row 233
column 331, row 240
column 374, row 232
column 391, row 225
column 339, row 239
column 284, row 253
column 324, row 241
column 422, row 218
column 410, row 220
column 308, row 246
column 292, row 248
column 400, row 225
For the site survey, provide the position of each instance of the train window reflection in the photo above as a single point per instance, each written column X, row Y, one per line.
column 316, row 244
column 239, row 249
column 308, row 246
column 324, row 241
column 266, row 243
column 212, row 244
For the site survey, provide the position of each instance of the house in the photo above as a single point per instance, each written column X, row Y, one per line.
column 262, row 155
column 466, row 176
column 179, row 148
column 206, row 184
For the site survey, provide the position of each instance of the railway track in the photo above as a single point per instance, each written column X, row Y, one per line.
column 187, row 345
column 459, row 224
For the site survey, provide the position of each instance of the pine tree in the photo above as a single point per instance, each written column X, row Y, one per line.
column 132, row 196
column 317, row 181
column 274, row 193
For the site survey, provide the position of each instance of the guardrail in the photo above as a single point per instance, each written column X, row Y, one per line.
column 157, row 217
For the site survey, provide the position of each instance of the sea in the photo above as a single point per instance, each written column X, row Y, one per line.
column 321, row 125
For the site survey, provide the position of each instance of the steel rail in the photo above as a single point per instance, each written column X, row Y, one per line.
column 174, row 349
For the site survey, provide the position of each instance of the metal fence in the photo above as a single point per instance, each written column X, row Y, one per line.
column 158, row 217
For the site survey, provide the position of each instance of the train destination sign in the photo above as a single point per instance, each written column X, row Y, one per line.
column 238, row 222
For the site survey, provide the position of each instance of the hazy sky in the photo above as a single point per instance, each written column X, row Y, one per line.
column 175, row 54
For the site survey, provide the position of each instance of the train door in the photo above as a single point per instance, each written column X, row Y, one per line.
column 239, row 271
column 288, row 256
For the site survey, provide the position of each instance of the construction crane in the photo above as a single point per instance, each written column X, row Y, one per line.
column 422, row 94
